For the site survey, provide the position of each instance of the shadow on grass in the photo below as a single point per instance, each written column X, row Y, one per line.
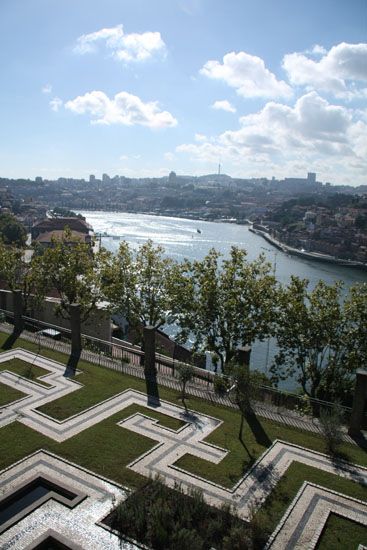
column 72, row 365
column 152, row 389
column 360, row 440
column 11, row 339
column 257, row 429
column 240, row 437
column 339, row 460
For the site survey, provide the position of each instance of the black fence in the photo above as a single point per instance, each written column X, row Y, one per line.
column 127, row 358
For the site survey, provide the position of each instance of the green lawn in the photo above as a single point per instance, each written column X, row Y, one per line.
column 107, row 448
column 342, row 533
column 26, row 370
column 285, row 491
column 8, row 395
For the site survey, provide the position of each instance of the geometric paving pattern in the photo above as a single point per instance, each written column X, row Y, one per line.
column 171, row 445
column 76, row 527
column 306, row 517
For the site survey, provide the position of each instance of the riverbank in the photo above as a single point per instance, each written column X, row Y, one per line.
column 315, row 256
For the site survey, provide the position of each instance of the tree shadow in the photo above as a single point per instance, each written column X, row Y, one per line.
column 240, row 437
column 190, row 416
column 11, row 339
column 151, row 384
column 257, row 429
column 341, row 463
column 71, row 365
column 360, row 440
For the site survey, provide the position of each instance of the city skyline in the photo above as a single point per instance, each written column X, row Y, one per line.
column 143, row 88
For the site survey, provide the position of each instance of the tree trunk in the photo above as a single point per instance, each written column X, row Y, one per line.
column 18, row 311
column 75, row 326
column 241, row 428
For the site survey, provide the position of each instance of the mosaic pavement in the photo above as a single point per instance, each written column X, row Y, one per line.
column 247, row 494
column 76, row 526
column 306, row 517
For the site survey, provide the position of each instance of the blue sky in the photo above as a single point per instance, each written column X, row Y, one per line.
column 142, row 87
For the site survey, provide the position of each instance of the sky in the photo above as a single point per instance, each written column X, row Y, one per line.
column 139, row 88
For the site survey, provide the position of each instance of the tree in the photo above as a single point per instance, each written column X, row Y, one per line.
column 185, row 375
column 330, row 425
column 71, row 268
column 243, row 391
column 355, row 312
column 23, row 275
column 143, row 285
column 227, row 304
column 12, row 231
column 321, row 340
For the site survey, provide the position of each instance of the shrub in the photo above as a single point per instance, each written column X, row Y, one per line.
column 330, row 424
column 221, row 385
column 164, row 518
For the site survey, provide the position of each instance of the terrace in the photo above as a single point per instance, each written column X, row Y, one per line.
column 102, row 423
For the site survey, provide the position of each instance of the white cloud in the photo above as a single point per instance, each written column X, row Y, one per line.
column 124, row 108
column 318, row 50
column 338, row 71
column 312, row 133
column 47, row 89
column 247, row 74
column 123, row 47
column 56, row 103
column 169, row 156
column 200, row 137
column 311, row 123
column 132, row 157
column 223, row 105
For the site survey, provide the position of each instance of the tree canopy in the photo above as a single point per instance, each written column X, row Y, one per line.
column 142, row 285
column 321, row 339
column 12, row 231
column 228, row 303
column 19, row 274
column 70, row 268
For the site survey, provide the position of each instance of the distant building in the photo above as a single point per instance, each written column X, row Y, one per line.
column 172, row 178
column 58, row 224
column 47, row 239
column 38, row 179
column 92, row 178
column 311, row 177
column 106, row 178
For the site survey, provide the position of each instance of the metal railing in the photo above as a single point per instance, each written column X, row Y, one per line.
column 129, row 359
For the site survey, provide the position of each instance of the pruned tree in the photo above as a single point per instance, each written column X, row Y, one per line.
column 355, row 313
column 331, row 427
column 143, row 286
column 243, row 391
column 70, row 267
column 227, row 303
column 185, row 374
column 23, row 274
column 321, row 340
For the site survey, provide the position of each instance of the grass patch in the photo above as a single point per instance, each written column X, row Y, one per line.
column 243, row 455
column 280, row 498
column 26, row 370
column 9, row 394
column 343, row 533
column 101, row 383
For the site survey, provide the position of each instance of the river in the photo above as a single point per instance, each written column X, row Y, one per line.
column 192, row 239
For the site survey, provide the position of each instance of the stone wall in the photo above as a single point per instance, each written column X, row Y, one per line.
column 98, row 325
